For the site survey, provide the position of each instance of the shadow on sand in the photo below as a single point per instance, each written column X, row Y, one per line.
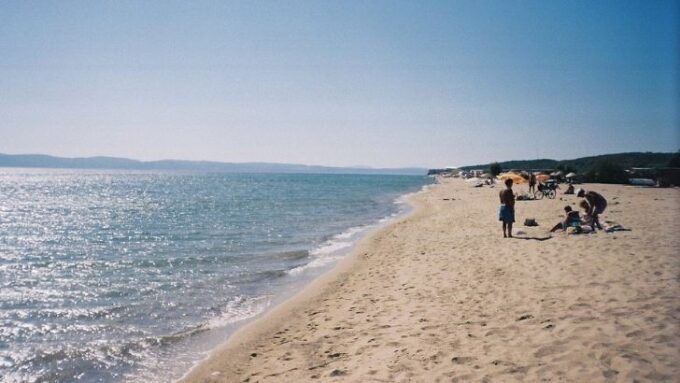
column 533, row 238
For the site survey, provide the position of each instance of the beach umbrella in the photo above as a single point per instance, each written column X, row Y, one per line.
column 542, row 177
column 516, row 178
column 571, row 175
column 556, row 174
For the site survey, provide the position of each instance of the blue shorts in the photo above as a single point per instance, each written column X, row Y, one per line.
column 506, row 214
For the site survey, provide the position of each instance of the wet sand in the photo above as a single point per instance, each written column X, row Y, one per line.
column 441, row 296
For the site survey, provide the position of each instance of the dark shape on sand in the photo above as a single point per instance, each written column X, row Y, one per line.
column 534, row 238
column 462, row 359
column 530, row 222
column 338, row 373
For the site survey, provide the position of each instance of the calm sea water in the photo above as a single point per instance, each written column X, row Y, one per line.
column 133, row 276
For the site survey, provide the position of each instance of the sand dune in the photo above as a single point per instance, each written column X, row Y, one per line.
column 441, row 297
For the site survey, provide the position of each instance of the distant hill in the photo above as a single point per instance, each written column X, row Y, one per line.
column 519, row 165
column 624, row 160
column 586, row 164
column 45, row 161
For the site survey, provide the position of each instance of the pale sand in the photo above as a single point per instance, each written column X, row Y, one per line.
column 440, row 296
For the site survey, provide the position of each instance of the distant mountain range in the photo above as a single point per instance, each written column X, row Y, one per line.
column 584, row 164
column 45, row 161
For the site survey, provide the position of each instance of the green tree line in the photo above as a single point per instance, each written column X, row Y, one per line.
column 608, row 168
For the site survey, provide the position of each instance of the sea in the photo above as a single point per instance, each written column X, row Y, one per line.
column 135, row 276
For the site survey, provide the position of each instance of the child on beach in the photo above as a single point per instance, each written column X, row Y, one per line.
column 572, row 219
column 506, row 213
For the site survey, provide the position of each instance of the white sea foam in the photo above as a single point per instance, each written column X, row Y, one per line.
column 330, row 247
column 240, row 308
column 349, row 233
column 336, row 247
column 332, row 250
column 403, row 199
column 316, row 263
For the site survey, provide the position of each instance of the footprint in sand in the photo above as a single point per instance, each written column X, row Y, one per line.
column 338, row 373
column 549, row 350
column 462, row 359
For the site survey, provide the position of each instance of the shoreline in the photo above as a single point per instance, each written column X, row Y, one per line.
column 439, row 296
column 347, row 258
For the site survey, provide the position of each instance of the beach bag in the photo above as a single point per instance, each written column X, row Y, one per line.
column 530, row 222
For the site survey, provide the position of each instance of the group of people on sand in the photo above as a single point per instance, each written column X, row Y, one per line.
column 593, row 204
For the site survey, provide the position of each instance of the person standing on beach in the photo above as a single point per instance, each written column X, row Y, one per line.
column 506, row 213
column 532, row 183
column 597, row 204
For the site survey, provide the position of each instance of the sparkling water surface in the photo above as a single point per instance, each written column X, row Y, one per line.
column 132, row 276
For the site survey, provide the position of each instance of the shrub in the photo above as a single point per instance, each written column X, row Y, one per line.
column 495, row 169
column 608, row 173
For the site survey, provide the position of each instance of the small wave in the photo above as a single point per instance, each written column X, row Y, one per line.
column 59, row 364
column 238, row 309
column 70, row 313
column 271, row 274
column 293, row 255
column 351, row 232
column 318, row 262
column 330, row 247
column 403, row 199
column 173, row 338
column 30, row 365
column 332, row 250
column 257, row 277
column 341, row 241
column 389, row 218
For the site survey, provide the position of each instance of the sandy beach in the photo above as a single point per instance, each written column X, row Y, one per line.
column 441, row 296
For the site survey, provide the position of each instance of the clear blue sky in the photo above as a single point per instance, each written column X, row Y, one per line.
column 339, row 82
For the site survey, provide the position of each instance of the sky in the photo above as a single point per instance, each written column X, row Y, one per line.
column 339, row 83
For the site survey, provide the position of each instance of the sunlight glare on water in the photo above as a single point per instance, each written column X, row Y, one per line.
column 118, row 275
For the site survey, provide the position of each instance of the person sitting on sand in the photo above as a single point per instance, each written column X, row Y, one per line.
column 570, row 189
column 506, row 213
column 597, row 205
column 572, row 219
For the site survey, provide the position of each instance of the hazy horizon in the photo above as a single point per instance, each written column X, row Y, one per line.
column 351, row 84
column 359, row 166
